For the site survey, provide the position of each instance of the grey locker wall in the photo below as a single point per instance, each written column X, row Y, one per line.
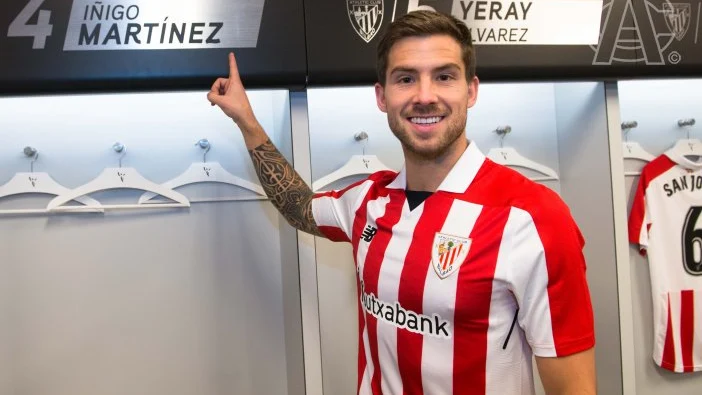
column 586, row 186
column 538, row 127
column 5, row 376
column 165, row 301
column 656, row 105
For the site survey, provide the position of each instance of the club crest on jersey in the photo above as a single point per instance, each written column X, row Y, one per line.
column 366, row 16
column 677, row 17
column 448, row 253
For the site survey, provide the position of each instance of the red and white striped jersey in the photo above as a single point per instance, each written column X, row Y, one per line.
column 664, row 221
column 442, row 286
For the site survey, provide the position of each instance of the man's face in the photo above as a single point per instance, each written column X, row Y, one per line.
column 426, row 95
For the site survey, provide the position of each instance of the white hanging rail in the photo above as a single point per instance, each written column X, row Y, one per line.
column 509, row 156
column 632, row 149
column 687, row 147
column 40, row 183
column 207, row 172
column 119, row 178
column 356, row 165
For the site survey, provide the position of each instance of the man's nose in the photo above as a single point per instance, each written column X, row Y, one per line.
column 426, row 92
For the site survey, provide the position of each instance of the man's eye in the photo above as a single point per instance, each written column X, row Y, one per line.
column 404, row 80
column 445, row 77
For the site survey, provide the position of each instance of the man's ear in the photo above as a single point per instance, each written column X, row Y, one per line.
column 380, row 97
column 473, row 85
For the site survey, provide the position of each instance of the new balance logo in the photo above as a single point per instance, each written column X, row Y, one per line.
column 368, row 233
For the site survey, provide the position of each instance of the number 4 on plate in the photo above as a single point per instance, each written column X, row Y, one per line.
column 20, row 26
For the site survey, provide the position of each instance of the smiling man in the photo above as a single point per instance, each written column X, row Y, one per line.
column 465, row 268
column 426, row 93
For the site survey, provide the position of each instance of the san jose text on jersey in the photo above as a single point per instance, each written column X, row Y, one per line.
column 664, row 221
column 456, row 294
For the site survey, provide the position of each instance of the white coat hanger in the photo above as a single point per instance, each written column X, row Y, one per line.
column 119, row 178
column 355, row 166
column 686, row 147
column 40, row 183
column 632, row 149
column 509, row 156
column 207, row 172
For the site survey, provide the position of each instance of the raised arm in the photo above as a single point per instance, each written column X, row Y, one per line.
column 286, row 189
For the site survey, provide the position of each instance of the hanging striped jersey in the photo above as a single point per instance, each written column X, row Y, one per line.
column 664, row 221
column 455, row 295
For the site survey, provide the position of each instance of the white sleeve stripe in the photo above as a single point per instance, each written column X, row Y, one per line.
column 339, row 211
column 530, row 283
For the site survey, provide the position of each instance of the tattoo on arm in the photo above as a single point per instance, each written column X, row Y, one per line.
column 287, row 191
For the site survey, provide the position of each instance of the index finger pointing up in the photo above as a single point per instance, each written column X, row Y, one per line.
column 233, row 69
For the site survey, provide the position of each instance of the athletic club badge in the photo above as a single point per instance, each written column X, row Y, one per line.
column 677, row 17
column 448, row 253
column 366, row 16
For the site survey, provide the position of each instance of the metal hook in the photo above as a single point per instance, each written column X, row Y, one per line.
column 502, row 131
column 629, row 124
column 686, row 122
column 32, row 153
column 120, row 148
column 204, row 144
column 626, row 127
column 362, row 136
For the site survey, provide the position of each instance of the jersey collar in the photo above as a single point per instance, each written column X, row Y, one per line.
column 682, row 161
column 460, row 176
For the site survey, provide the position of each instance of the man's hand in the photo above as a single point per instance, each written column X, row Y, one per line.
column 287, row 191
column 230, row 96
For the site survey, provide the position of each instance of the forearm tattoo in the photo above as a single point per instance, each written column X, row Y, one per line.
column 287, row 191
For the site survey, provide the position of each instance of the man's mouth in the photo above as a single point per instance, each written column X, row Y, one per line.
column 425, row 120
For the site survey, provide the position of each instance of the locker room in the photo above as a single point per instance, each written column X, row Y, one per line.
column 215, row 293
column 208, row 298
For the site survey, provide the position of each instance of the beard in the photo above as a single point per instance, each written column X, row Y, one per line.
column 455, row 129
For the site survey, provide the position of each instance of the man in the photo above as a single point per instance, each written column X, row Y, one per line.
column 510, row 277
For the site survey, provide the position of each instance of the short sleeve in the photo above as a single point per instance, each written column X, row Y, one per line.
column 549, row 280
column 640, row 220
column 639, row 217
column 334, row 211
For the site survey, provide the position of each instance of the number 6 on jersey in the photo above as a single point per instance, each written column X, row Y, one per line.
column 692, row 242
